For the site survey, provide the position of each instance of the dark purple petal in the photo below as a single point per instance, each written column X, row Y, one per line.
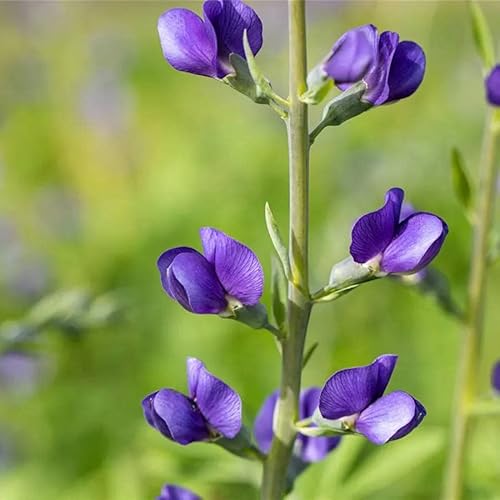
column 419, row 239
column 407, row 71
column 193, row 282
column 230, row 18
column 188, row 43
column 352, row 55
column 492, row 84
column 377, row 79
column 173, row 492
column 495, row 377
column 152, row 418
column 164, row 262
column 263, row 425
column 237, row 267
column 218, row 403
column 350, row 391
column 389, row 416
column 181, row 416
column 374, row 231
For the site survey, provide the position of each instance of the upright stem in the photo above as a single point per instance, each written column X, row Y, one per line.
column 299, row 305
column 466, row 382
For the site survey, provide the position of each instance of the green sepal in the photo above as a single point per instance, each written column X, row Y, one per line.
column 252, row 316
column 318, row 86
column 482, row 35
column 343, row 107
column 461, row 182
column 241, row 445
column 242, row 81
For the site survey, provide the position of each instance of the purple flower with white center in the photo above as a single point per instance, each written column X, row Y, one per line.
column 495, row 377
column 226, row 277
column 309, row 449
column 492, row 84
column 173, row 492
column 354, row 398
column 211, row 410
column 389, row 245
column 391, row 69
column 203, row 46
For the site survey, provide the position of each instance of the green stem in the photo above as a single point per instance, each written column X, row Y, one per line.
column 299, row 306
column 466, row 382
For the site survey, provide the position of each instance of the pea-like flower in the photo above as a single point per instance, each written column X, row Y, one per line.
column 495, row 377
column 212, row 409
column 203, row 46
column 227, row 276
column 173, row 492
column 354, row 399
column 492, row 84
column 391, row 69
column 389, row 245
column 308, row 449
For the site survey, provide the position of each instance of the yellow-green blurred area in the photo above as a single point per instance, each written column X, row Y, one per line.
column 108, row 157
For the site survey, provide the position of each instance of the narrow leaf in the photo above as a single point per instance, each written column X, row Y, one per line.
column 278, row 293
column 482, row 35
column 460, row 179
column 309, row 354
column 279, row 246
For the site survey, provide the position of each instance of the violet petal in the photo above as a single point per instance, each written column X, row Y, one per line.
column 374, row 231
column 263, row 424
column 419, row 239
column 188, row 43
column 152, row 418
column 181, row 416
column 420, row 413
column 407, row 71
column 237, row 267
column 173, row 492
column 492, row 84
column 350, row 391
column 384, row 418
column 495, row 377
column 164, row 262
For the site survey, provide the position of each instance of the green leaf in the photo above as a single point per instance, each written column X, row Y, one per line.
column 279, row 293
column 482, row 35
column 309, row 353
column 318, row 86
column 279, row 246
column 460, row 180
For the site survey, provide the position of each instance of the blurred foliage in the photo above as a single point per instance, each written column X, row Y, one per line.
column 108, row 157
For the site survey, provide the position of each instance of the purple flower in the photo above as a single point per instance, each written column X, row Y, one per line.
column 354, row 397
column 227, row 276
column 202, row 46
column 20, row 371
column 172, row 492
column 495, row 377
column 492, row 84
column 212, row 409
column 391, row 69
column 387, row 244
column 309, row 449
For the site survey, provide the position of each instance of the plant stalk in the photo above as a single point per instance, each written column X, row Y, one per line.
column 276, row 466
column 468, row 370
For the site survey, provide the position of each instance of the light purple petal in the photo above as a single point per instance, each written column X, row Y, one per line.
column 230, row 18
column 181, row 416
column 374, row 231
column 419, row 239
column 173, row 492
column 188, row 43
column 492, row 84
column 495, row 377
column 352, row 55
column 237, row 267
column 407, row 209
column 390, row 414
column 407, row 71
column 263, row 425
column 193, row 366
column 350, row 391
column 377, row 79
column 218, row 403
column 164, row 262
column 420, row 413
column 194, row 284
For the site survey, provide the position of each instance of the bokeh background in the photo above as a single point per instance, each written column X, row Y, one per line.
column 108, row 157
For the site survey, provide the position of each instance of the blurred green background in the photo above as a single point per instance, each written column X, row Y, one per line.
column 108, row 157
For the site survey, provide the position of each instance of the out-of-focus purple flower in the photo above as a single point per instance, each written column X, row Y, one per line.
column 228, row 274
column 308, row 449
column 389, row 245
column 495, row 377
column 211, row 410
column 492, row 84
column 391, row 69
column 203, row 46
column 173, row 492
column 354, row 397
column 19, row 371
